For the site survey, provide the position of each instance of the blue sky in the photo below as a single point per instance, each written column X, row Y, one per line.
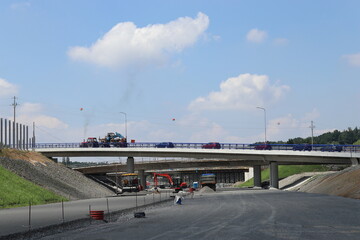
column 206, row 64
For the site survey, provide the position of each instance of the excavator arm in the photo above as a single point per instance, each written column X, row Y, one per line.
column 162, row 175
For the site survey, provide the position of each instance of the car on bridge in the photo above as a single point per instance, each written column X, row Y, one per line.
column 302, row 147
column 165, row 145
column 263, row 147
column 211, row 145
column 331, row 148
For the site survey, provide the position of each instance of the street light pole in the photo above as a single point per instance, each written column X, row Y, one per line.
column 125, row 125
column 264, row 120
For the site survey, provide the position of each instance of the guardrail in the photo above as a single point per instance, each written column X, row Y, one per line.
column 242, row 146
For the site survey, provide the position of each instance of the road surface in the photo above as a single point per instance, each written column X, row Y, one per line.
column 245, row 214
column 17, row 220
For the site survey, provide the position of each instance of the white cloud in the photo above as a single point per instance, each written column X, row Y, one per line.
column 245, row 91
column 353, row 59
column 30, row 108
column 286, row 127
column 256, row 35
column 127, row 44
column 20, row 5
column 7, row 89
column 33, row 112
column 281, row 41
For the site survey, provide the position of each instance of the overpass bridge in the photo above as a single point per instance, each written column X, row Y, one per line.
column 226, row 156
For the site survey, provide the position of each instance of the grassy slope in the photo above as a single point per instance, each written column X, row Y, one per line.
column 17, row 192
column 285, row 171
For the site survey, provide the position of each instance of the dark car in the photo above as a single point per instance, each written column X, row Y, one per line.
column 212, row 145
column 302, row 147
column 263, row 147
column 165, row 145
column 331, row 148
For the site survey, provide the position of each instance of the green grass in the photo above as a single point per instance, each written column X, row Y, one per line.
column 285, row 171
column 18, row 192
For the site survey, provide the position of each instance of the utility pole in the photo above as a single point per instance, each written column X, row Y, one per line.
column 312, row 126
column 14, row 122
column 14, row 105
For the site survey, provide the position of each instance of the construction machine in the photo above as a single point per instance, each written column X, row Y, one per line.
column 176, row 184
column 90, row 142
column 113, row 140
column 130, row 182
column 208, row 179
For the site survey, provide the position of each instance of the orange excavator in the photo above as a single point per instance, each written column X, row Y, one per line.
column 177, row 185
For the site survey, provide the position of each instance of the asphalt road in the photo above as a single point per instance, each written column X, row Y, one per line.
column 246, row 214
column 16, row 220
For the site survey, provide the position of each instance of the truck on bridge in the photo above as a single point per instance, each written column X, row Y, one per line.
column 110, row 140
column 113, row 140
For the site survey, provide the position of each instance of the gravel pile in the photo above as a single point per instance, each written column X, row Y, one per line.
column 206, row 189
column 55, row 177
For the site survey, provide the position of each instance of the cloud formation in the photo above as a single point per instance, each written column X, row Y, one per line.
column 20, row 5
column 281, row 41
column 353, row 59
column 32, row 112
column 242, row 92
column 7, row 89
column 127, row 44
column 256, row 36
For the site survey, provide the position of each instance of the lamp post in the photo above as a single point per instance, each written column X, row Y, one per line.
column 125, row 124
column 264, row 120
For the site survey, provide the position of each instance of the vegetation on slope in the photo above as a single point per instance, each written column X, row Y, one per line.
column 18, row 192
column 285, row 171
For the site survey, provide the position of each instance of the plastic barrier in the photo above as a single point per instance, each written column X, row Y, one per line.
column 97, row 215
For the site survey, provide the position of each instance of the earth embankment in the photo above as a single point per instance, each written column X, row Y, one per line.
column 345, row 183
column 50, row 175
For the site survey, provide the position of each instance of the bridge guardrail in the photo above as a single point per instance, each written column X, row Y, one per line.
column 242, row 146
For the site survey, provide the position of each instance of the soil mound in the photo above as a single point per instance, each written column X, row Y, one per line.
column 50, row 175
column 345, row 183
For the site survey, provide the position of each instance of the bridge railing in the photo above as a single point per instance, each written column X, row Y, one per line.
column 242, row 146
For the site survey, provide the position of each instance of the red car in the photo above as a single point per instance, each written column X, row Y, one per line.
column 263, row 147
column 212, row 145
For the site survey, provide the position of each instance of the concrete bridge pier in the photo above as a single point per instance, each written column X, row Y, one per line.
column 130, row 165
column 141, row 175
column 257, row 175
column 274, row 175
column 355, row 161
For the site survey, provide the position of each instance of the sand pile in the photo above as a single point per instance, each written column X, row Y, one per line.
column 206, row 189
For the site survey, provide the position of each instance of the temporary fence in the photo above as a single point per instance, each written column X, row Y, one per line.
column 33, row 219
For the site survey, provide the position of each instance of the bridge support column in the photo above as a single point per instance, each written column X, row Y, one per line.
column 257, row 175
column 141, row 174
column 274, row 175
column 130, row 165
column 355, row 161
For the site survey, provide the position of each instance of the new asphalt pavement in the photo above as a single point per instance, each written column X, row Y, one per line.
column 244, row 214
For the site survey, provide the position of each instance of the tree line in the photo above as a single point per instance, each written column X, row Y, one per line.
column 347, row 137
